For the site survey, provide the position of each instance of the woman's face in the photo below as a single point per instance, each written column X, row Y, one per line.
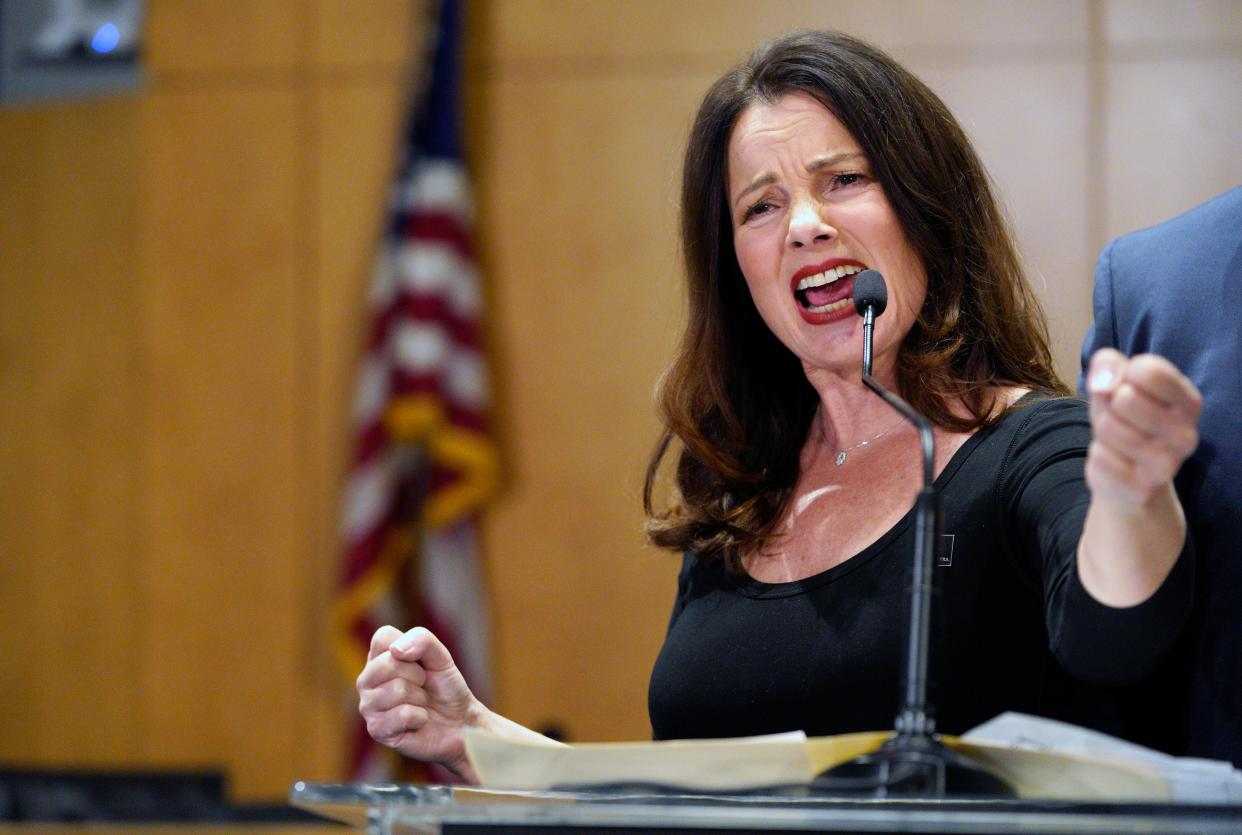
column 807, row 215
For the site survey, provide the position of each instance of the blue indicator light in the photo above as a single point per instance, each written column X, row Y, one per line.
column 105, row 39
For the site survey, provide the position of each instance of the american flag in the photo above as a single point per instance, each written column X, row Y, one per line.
column 424, row 464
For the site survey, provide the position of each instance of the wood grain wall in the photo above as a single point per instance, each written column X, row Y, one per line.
column 181, row 279
column 183, row 272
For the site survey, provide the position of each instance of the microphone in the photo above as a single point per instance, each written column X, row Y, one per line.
column 914, row 762
column 870, row 291
column 870, row 300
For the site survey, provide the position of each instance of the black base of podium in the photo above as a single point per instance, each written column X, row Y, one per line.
column 912, row 766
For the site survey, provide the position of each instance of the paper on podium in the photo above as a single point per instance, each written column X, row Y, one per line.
column 701, row 765
column 1053, row 775
column 724, row 765
column 1188, row 779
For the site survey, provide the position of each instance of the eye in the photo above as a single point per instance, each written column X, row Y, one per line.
column 756, row 210
column 846, row 179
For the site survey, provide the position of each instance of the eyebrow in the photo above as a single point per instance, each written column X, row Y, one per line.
column 813, row 167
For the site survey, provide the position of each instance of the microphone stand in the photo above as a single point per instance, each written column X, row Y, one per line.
column 914, row 762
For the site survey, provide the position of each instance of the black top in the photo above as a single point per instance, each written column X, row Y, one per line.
column 824, row 654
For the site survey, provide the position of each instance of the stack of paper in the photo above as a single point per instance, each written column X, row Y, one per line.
column 1040, row 758
column 1189, row 779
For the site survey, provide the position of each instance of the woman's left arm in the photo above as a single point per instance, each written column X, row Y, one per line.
column 1143, row 417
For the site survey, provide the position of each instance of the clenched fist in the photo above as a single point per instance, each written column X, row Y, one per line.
column 415, row 700
column 1143, row 417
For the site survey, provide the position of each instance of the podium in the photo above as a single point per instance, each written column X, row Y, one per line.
column 404, row 808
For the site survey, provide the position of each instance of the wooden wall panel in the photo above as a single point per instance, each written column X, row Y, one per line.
column 1170, row 108
column 214, row 36
column 357, row 129
column 576, row 186
column 224, row 573
column 1170, row 111
column 1166, row 25
column 160, row 330
column 367, row 33
column 1005, row 115
column 70, row 388
column 539, row 34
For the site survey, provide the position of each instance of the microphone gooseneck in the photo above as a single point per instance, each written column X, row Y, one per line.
column 914, row 761
column 870, row 300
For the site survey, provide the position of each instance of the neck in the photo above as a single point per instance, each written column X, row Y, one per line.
column 849, row 412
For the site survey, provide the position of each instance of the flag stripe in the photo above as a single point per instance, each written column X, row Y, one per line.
column 424, row 463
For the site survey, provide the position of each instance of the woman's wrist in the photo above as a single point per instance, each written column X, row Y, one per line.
column 1126, row 553
column 488, row 720
column 476, row 715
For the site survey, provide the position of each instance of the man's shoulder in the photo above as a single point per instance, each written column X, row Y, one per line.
column 1217, row 221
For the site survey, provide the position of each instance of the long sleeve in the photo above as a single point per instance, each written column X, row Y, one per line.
column 1045, row 497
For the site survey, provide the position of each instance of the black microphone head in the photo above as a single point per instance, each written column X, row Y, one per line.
column 870, row 291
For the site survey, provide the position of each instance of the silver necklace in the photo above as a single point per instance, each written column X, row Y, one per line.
column 841, row 453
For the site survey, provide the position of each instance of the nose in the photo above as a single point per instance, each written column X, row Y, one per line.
column 808, row 226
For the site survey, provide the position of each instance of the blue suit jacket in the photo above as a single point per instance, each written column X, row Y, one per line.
column 1176, row 290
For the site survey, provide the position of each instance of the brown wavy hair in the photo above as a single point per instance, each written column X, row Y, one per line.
column 735, row 398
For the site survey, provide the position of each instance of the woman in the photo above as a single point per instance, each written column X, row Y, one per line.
column 818, row 157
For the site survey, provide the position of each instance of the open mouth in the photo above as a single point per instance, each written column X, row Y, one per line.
column 825, row 292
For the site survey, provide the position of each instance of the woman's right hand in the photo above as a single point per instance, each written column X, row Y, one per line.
column 415, row 700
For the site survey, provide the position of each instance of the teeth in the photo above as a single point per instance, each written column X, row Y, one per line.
column 828, row 308
column 828, row 276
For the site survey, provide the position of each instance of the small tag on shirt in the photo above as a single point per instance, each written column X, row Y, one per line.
column 945, row 555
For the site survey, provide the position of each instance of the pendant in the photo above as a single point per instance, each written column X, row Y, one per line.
column 840, row 458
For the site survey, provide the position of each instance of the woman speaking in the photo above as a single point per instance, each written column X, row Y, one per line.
column 1064, row 567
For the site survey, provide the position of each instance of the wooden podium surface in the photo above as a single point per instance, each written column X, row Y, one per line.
column 400, row 808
